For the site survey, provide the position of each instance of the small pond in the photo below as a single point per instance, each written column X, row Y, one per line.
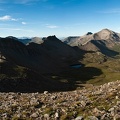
column 76, row 65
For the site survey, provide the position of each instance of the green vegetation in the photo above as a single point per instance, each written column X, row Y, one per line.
column 116, row 48
column 110, row 72
column 98, row 69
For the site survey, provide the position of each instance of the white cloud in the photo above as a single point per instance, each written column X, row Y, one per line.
column 51, row 26
column 16, row 29
column 24, row 23
column 7, row 18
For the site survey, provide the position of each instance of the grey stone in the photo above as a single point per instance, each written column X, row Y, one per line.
column 83, row 103
column 79, row 118
column 53, row 97
column 116, row 117
column 45, row 92
column 92, row 118
column 57, row 115
column 46, row 116
column 34, row 115
column 118, row 102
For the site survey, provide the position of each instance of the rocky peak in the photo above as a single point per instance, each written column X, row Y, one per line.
column 106, row 34
column 53, row 38
column 106, row 29
column 89, row 33
column 103, row 34
column 10, row 42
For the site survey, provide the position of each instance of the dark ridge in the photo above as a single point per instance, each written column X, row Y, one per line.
column 52, row 38
column 11, row 37
column 89, row 33
column 27, row 67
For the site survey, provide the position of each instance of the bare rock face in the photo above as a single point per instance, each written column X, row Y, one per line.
column 71, row 40
column 78, row 41
column 101, row 41
column 107, row 34
column 103, row 35
column 110, row 38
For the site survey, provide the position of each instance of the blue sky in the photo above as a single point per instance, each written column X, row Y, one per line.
column 57, row 17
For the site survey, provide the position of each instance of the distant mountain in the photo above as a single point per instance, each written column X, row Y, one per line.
column 32, row 66
column 102, row 41
column 24, row 40
column 24, row 37
column 37, row 40
column 71, row 40
column 12, row 37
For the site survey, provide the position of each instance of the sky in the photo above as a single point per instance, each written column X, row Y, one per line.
column 30, row 18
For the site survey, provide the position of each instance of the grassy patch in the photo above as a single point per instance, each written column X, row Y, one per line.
column 116, row 48
column 98, row 70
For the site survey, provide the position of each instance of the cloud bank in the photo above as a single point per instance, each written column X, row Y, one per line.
column 7, row 18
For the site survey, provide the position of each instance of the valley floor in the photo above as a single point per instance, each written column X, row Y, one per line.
column 94, row 103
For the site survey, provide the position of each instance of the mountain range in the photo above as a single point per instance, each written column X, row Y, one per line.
column 46, row 56
column 22, row 66
column 102, row 41
column 33, row 63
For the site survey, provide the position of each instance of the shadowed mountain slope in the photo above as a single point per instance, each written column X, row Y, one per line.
column 50, row 56
column 22, row 66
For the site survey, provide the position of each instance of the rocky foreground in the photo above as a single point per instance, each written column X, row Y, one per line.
column 93, row 103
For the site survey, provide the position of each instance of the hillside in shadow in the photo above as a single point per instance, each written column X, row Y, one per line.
column 78, row 76
column 103, row 49
column 32, row 68
column 20, row 79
